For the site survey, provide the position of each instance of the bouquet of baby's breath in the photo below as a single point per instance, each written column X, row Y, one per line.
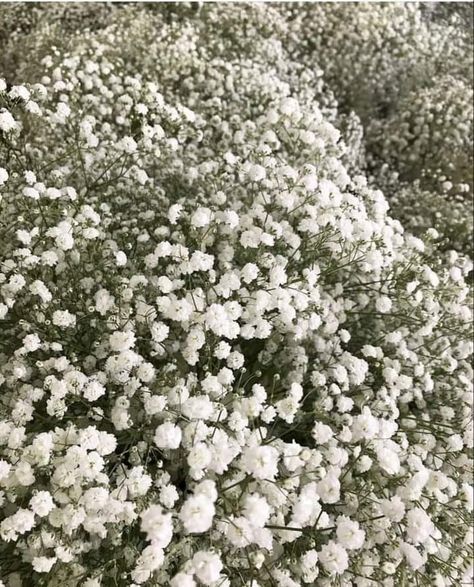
column 222, row 362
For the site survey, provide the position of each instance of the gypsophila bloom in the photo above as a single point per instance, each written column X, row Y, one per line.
column 197, row 513
column 7, row 122
column 3, row 176
column 168, row 435
column 235, row 295
column 42, row 503
column 206, row 566
column 64, row 318
column 334, row 558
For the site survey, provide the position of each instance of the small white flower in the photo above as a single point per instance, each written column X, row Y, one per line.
column 201, row 217
column 349, row 535
column 64, row 319
column 260, row 461
column 419, row 525
column 414, row 558
column 197, row 514
column 30, row 192
column 157, row 525
column 42, row 503
column 256, row 173
column 3, row 176
column 383, row 304
column 31, row 342
column 43, row 564
column 122, row 341
column 7, row 122
column 120, row 259
column 333, row 558
column 168, row 436
column 207, row 566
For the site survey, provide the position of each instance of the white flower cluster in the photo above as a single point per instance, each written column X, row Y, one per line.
column 222, row 361
column 429, row 138
column 408, row 75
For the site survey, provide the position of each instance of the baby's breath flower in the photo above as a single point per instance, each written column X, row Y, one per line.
column 236, row 348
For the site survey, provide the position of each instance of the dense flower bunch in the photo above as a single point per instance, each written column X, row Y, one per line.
column 403, row 67
column 222, row 361
column 383, row 51
column 407, row 71
column 428, row 139
column 432, row 130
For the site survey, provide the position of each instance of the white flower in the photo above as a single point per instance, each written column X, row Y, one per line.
column 168, row 496
column 260, row 461
column 167, row 436
column 383, row 304
column 19, row 92
column 49, row 258
column 207, row 566
column 256, row 173
column 222, row 350
column 120, row 258
column 42, row 503
column 249, row 272
column 321, row 433
column 157, row 525
column 393, row 508
column 19, row 523
column 198, row 408
column 412, row 555
column 135, row 481
column 39, row 288
column 197, row 514
column 31, row 342
column 348, row 533
column 174, row 213
column 146, row 372
column 43, row 564
column 288, row 106
column 7, row 122
column 127, row 145
column 178, row 310
column 30, row 177
column 256, row 510
column 365, row 426
column 419, row 525
column 154, row 404
column 199, row 457
column 207, row 488
column 201, row 217
column 30, row 192
column 103, row 301
column 159, row 331
column 151, row 559
column 165, row 284
column 329, row 488
column 64, row 319
column 3, row 176
column 122, row 341
column 5, row 469
column 218, row 319
column 62, row 234
column 93, row 390
column 333, row 558
column 309, row 567
column 388, row 460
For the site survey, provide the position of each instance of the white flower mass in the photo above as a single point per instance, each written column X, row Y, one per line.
column 236, row 295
